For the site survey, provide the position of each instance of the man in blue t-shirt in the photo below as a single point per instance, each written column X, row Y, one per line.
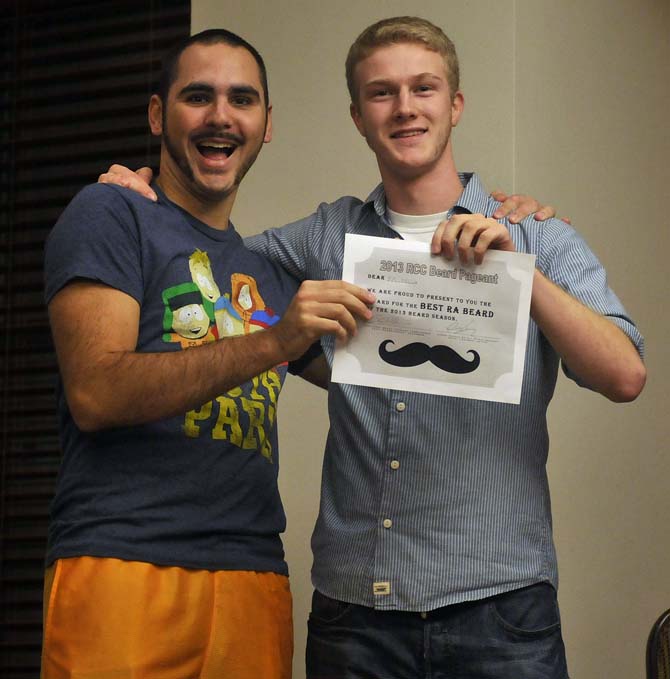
column 164, row 556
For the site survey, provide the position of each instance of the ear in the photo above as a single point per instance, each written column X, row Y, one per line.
column 156, row 115
column 457, row 106
column 356, row 117
column 268, row 127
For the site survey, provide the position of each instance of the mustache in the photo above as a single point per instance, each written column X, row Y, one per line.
column 218, row 135
column 441, row 356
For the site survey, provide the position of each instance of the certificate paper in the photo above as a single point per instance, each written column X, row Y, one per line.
column 438, row 326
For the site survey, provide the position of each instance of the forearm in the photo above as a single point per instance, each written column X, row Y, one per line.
column 598, row 352
column 109, row 384
column 128, row 388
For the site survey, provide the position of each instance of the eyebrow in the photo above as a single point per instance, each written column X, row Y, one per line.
column 244, row 89
column 195, row 87
column 391, row 81
column 232, row 90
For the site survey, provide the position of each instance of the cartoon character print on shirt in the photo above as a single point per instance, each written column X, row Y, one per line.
column 185, row 317
column 196, row 312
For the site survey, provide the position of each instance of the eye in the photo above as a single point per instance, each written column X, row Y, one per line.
column 422, row 89
column 380, row 92
column 241, row 100
column 196, row 98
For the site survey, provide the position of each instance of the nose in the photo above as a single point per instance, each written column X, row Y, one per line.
column 219, row 113
column 404, row 105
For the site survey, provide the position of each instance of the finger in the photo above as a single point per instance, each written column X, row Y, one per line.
column 469, row 236
column 526, row 206
column 113, row 178
column 363, row 294
column 123, row 176
column 518, row 207
column 451, row 234
column 353, row 305
column 137, row 184
column 335, row 291
column 145, row 173
column 310, row 313
column 347, row 326
column 567, row 220
column 480, row 234
column 499, row 195
column 545, row 212
column 509, row 204
column 301, row 327
column 497, row 236
column 329, row 318
column 484, row 242
column 436, row 240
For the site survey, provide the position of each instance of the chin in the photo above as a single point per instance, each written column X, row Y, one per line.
column 214, row 189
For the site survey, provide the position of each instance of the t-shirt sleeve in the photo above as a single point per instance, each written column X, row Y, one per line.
column 96, row 238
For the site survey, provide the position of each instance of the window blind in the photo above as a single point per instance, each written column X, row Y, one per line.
column 76, row 79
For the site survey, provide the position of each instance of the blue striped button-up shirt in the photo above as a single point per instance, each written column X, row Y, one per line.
column 432, row 500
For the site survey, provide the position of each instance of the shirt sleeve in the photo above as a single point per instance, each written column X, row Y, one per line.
column 96, row 238
column 298, row 247
column 289, row 245
column 297, row 366
column 567, row 260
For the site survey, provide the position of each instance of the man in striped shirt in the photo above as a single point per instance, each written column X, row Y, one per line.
column 433, row 550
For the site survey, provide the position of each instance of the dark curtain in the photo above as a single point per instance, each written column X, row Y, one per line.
column 76, row 79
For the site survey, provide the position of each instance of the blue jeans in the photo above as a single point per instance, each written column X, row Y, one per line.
column 515, row 635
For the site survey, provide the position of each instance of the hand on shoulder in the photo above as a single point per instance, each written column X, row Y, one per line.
column 136, row 181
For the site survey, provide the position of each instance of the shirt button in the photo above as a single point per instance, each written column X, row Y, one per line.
column 395, row 464
column 400, row 406
column 387, row 523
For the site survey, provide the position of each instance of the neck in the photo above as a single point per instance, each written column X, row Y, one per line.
column 214, row 212
column 423, row 194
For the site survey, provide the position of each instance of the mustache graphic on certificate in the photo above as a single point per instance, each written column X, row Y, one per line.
column 416, row 353
column 438, row 326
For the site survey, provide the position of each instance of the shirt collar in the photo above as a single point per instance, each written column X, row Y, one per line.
column 473, row 199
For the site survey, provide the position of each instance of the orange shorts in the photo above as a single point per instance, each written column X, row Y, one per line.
column 113, row 619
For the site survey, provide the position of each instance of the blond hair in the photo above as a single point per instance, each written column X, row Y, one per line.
column 396, row 30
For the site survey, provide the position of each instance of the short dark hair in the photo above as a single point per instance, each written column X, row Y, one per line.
column 211, row 36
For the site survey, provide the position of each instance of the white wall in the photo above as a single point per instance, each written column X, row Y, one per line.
column 596, row 76
column 567, row 101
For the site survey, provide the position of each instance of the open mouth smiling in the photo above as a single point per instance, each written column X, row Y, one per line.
column 215, row 149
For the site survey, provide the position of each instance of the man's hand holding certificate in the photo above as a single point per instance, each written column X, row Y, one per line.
column 439, row 326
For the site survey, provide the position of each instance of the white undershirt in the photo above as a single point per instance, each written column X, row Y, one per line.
column 415, row 227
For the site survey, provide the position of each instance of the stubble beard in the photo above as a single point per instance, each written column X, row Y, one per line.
column 182, row 163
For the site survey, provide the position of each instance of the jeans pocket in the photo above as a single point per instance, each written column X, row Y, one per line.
column 528, row 612
column 327, row 610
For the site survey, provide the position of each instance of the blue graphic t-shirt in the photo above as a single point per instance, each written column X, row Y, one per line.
column 198, row 490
